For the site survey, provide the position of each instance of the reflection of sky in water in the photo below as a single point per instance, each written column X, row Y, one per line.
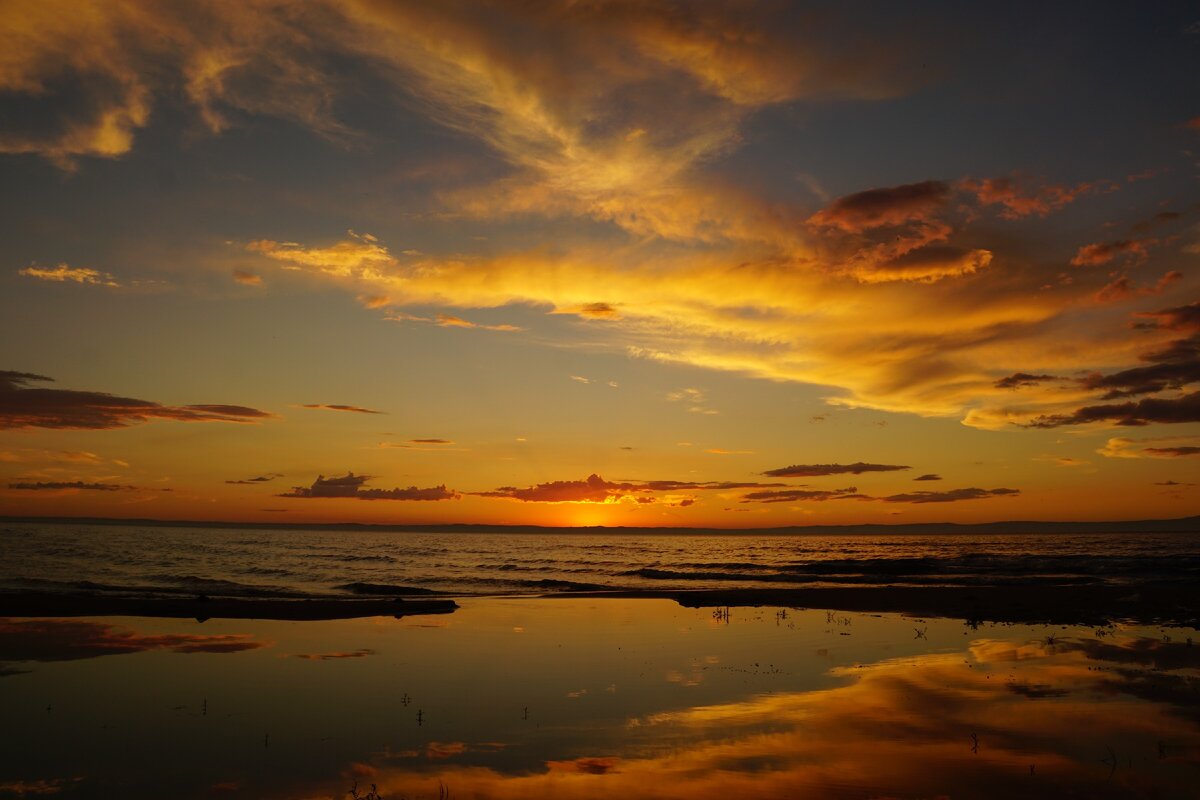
column 586, row 698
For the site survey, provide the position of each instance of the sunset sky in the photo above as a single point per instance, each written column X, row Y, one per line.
column 723, row 264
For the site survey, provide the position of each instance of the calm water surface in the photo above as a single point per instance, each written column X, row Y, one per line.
column 580, row 698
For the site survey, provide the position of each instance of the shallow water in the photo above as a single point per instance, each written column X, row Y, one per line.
column 256, row 562
column 530, row 698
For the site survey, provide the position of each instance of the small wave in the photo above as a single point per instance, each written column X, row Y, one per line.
column 351, row 557
column 359, row 587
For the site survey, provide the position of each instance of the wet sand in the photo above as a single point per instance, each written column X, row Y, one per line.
column 1149, row 603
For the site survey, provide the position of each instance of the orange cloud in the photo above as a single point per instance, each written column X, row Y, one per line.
column 66, row 273
column 1094, row 255
column 1019, row 199
column 247, row 278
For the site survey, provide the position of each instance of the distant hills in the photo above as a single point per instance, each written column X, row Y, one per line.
column 1177, row 525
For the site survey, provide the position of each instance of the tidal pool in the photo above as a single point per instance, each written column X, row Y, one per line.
column 579, row 698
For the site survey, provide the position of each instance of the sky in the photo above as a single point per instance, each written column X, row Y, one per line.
column 719, row 264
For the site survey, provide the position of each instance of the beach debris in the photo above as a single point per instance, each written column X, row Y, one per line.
column 1110, row 761
column 371, row 795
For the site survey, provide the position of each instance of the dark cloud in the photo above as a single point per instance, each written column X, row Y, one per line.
column 874, row 208
column 595, row 489
column 351, row 485
column 851, row 493
column 1173, row 367
column 70, row 640
column 1160, row 218
column 814, row 470
column 1019, row 379
column 95, row 487
column 1182, row 318
column 929, row 476
column 410, row 493
column 796, row 495
column 951, row 496
column 680, row 486
column 23, row 407
column 1142, row 412
column 430, row 441
column 340, row 407
column 1173, row 452
column 260, row 479
column 592, row 489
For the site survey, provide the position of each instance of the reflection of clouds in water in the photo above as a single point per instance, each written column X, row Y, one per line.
column 69, row 640
column 1045, row 715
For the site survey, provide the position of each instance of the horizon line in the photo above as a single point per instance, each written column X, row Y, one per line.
column 1167, row 523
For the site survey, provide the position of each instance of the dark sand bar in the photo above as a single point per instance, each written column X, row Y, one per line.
column 34, row 604
column 1034, row 603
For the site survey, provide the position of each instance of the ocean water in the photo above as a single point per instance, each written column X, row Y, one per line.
column 249, row 562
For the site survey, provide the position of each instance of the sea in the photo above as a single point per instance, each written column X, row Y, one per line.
column 153, row 560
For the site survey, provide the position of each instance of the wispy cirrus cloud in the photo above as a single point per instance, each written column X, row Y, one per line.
column 24, row 407
column 449, row 321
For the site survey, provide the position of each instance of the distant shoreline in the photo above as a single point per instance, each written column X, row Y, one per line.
column 1172, row 525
